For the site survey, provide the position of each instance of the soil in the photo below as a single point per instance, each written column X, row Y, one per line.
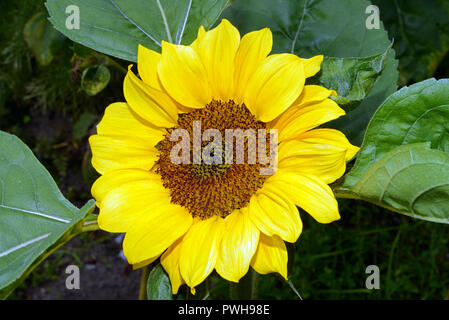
column 104, row 273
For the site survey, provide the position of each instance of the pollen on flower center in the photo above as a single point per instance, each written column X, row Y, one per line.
column 211, row 189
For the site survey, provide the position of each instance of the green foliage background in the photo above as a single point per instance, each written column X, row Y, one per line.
column 42, row 100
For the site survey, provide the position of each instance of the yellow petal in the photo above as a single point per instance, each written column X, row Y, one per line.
column 313, row 94
column 200, row 250
column 312, row 65
column 199, row 39
column 117, row 178
column 170, row 262
column 254, row 48
column 147, row 65
column 149, row 103
column 217, row 49
column 239, row 243
column 274, row 214
column 144, row 263
column 332, row 137
column 324, row 161
column 271, row 256
column 183, row 76
column 274, row 86
column 154, row 232
column 307, row 192
column 300, row 119
column 124, row 205
column 120, row 152
column 147, row 62
column 310, row 95
column 119, row 120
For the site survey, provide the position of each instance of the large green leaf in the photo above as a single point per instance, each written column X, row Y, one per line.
column 421, row 33
column 354, row 123
column 332, row 28
column 418, row 113
column 412, row 179
column 403, row 163
column 116, row 27
column 352, row 78
column 158, row 285
column 40, row 36
column 34, row 216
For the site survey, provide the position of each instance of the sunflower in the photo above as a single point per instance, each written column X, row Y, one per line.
column 199, row 217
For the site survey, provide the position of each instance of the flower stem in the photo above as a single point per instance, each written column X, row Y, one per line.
column 143, row 283
column 90, row 226
column 247, row 288
column 292, row 286
column 348, row 194
column 112, row 63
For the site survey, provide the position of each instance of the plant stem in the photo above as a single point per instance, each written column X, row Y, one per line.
column 292, row 286
column 143, row 283
column 112, row 63
column 390, row 262
column 247, row 288
column 348, row 194
column 206, row 289
column 90, row 226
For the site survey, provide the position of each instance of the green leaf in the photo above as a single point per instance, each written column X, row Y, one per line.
column 421, row 33
column 81, row 51
column 354, row 123
column 82, row 125
column 411, row 179
column 116, row 27
column 403, row 164
column 158, row 285
column 40, row 36
column 418, row 113
column 95, row 79
column 35, row 218
column 352, row 78
column 332, row 28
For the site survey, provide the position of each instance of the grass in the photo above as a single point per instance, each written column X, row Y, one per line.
column 330, row 260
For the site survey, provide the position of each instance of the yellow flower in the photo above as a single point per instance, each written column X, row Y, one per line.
column 228, row 217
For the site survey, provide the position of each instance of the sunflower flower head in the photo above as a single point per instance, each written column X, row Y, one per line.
column 179, row 195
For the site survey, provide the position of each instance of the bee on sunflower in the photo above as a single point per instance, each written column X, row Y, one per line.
column 199, row 217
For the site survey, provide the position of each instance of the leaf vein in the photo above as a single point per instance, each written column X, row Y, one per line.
column 299, row 27
column 415, row 198
column 164, row 19
column 135, row 24
column 419, row 118
column 23, row 245
column 35, row 213
column 185, row 22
